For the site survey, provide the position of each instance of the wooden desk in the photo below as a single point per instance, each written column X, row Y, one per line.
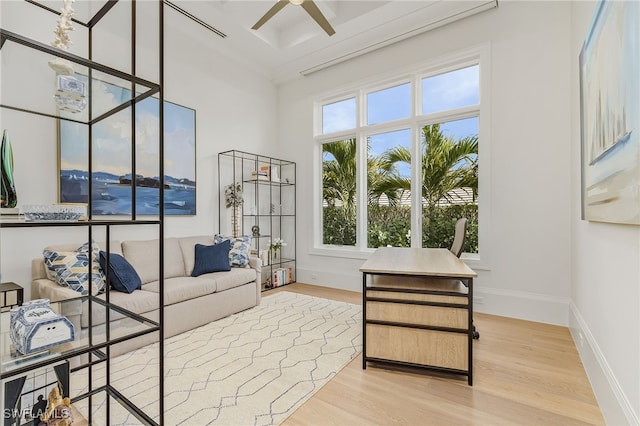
column 418, row 310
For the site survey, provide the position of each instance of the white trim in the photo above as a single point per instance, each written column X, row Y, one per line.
column 522, row 304
column 614, row 404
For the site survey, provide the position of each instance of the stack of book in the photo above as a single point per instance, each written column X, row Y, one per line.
column 281, row 276
column 260, row 174
column 269, row 173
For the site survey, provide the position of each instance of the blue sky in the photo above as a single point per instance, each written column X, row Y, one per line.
column 442, row 92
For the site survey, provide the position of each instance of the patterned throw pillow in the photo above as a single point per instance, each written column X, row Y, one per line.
column 70, row 268
column 239, row 253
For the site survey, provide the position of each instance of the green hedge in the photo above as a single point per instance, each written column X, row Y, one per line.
column 389, row 225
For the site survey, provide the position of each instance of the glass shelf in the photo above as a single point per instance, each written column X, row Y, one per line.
column 109, row 90
column 13, row 363
column 10, row 222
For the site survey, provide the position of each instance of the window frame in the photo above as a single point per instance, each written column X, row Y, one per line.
column 478, row 55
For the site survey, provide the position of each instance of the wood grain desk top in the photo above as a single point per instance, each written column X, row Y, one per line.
column 435, row 262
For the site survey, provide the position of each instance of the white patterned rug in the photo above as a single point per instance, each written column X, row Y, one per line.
column 251, row 368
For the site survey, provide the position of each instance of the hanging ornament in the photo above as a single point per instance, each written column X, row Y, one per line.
column 71, row 93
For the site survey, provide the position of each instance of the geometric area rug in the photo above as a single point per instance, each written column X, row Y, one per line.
column 255, row 367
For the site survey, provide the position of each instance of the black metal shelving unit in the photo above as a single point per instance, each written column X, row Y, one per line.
column 269, row 203
column 93, row 349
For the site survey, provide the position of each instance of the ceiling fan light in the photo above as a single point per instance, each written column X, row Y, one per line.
column 296, row 2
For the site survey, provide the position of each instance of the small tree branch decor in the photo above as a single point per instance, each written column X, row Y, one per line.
column 233, row 195
column 233, row 198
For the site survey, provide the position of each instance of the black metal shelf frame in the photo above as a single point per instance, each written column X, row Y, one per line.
column 241, row 162
column 101, row 350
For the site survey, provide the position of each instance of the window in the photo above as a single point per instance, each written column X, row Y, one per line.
column 339, row 193
column 339, row 116
column 389, row 189
column 394, row 175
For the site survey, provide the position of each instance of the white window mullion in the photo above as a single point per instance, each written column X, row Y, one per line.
column 361, row 170
column 416, row 187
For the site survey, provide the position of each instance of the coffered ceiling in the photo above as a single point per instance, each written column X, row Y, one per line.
column 291, row 43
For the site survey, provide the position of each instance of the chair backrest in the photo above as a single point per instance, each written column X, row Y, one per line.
column 460, row 235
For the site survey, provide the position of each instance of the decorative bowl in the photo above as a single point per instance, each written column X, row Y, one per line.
column 53, row 212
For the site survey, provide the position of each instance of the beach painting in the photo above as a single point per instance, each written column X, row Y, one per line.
column 112, row 180
column 610, row 116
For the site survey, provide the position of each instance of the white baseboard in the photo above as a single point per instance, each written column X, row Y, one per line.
column 330, row 279
column 522, row 305
column 613, row 402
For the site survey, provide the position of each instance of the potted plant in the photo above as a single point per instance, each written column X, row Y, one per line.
column 274, row 246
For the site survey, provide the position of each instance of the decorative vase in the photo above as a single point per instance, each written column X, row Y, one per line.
column 8, row 189
column 235, row 221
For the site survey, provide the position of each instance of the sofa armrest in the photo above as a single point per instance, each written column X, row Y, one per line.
column 44, row 288
column 256, row 263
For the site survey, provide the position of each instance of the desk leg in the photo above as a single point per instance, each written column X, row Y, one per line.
column 470, row 328
column 364, row 321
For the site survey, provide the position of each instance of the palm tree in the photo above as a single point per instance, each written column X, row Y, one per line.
column 447, row 164
column 339, row 173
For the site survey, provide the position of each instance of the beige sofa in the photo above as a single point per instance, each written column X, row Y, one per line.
column 189, row 301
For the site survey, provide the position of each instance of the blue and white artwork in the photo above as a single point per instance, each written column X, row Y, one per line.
column 610, row 114
column 112, row 156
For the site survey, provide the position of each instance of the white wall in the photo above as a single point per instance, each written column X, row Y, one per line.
column 605, row 291
column 528, row 250
column 234, row 110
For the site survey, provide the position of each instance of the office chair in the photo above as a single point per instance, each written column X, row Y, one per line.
column 459, row 237
column 456, row 248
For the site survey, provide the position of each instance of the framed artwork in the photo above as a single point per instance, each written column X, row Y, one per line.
column 112, row 157
column 610, row 116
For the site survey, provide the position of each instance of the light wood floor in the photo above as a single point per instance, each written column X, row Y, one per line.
column 525, row 373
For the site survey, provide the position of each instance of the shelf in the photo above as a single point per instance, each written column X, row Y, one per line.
column 28, row 92
column 22, row 223
column 127, row 328
column 263, row 159
column 269, row 215
column 269, row 182
column 263, row 197
column 39, row 100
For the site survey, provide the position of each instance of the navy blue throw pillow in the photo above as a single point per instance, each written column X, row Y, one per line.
column 213, row 258
column 122, row 276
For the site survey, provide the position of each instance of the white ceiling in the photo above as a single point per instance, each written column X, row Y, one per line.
column 291, row 43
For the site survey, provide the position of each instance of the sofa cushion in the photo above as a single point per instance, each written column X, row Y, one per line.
column 179, row 289
column 239, row 254
column 71, row 268
column 188, row 253
column 143, row 256
column 140, row 302
column 214, row 258
column 234, row 278
column 122, row 276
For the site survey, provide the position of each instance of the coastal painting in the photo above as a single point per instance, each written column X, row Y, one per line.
column 112, row 180
column 610, row 114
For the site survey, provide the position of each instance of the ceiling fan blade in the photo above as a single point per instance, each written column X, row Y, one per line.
column 315, row 13
column 274, row 9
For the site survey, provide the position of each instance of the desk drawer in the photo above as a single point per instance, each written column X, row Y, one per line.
column 418, row 346
column 418, row 314
column 418, row 297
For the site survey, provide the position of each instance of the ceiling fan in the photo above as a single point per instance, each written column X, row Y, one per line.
column 307, row 5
